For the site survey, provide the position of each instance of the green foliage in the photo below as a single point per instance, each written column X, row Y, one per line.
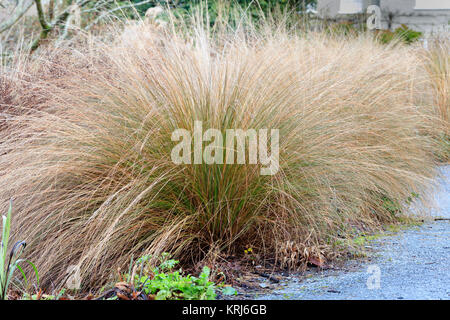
column 349, row 28
column 403, row 33
column 364, row 239
column 392, row 206
column 165, row 283
column 9, row 263
column 229, row 291
column 443, row 153
column 412, row 197
column 255, row 9
column 40, row 296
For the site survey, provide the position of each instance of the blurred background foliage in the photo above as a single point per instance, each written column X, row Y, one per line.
column 61, row 19
column 253, row 6
column 64, row 19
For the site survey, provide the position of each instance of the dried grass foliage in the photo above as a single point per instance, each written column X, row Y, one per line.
column 90, row 171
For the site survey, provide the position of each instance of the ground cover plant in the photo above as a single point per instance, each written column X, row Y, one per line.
column 90, row 169
column 10, row 262
column 163, row 280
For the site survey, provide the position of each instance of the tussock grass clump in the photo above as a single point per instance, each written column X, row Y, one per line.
column 94, row 183
column 438, row 66
column 13, row 81
column 26, row 81
column 437, row 63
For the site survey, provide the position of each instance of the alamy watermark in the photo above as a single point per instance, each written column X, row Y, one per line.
column 374, row 20
column 231, row 149
column 374, row 280
column 73, row 281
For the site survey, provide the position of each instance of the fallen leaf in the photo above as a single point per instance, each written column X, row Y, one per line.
column 318, row 262
column 121, row 296
column 89, row 297
column 124, row 286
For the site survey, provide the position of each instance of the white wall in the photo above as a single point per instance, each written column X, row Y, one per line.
column 395, row 13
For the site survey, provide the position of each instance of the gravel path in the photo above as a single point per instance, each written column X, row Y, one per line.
column 413, row 264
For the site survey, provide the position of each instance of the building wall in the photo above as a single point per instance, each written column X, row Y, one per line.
column 395, row 13
column 330, row 8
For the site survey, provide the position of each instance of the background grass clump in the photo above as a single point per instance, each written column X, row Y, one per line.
column 90, row 170
column 437, row 64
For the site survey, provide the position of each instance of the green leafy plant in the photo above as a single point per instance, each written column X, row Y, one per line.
column 402, row 33
column 9, row 263
column 162, row 282
column 40, row 296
